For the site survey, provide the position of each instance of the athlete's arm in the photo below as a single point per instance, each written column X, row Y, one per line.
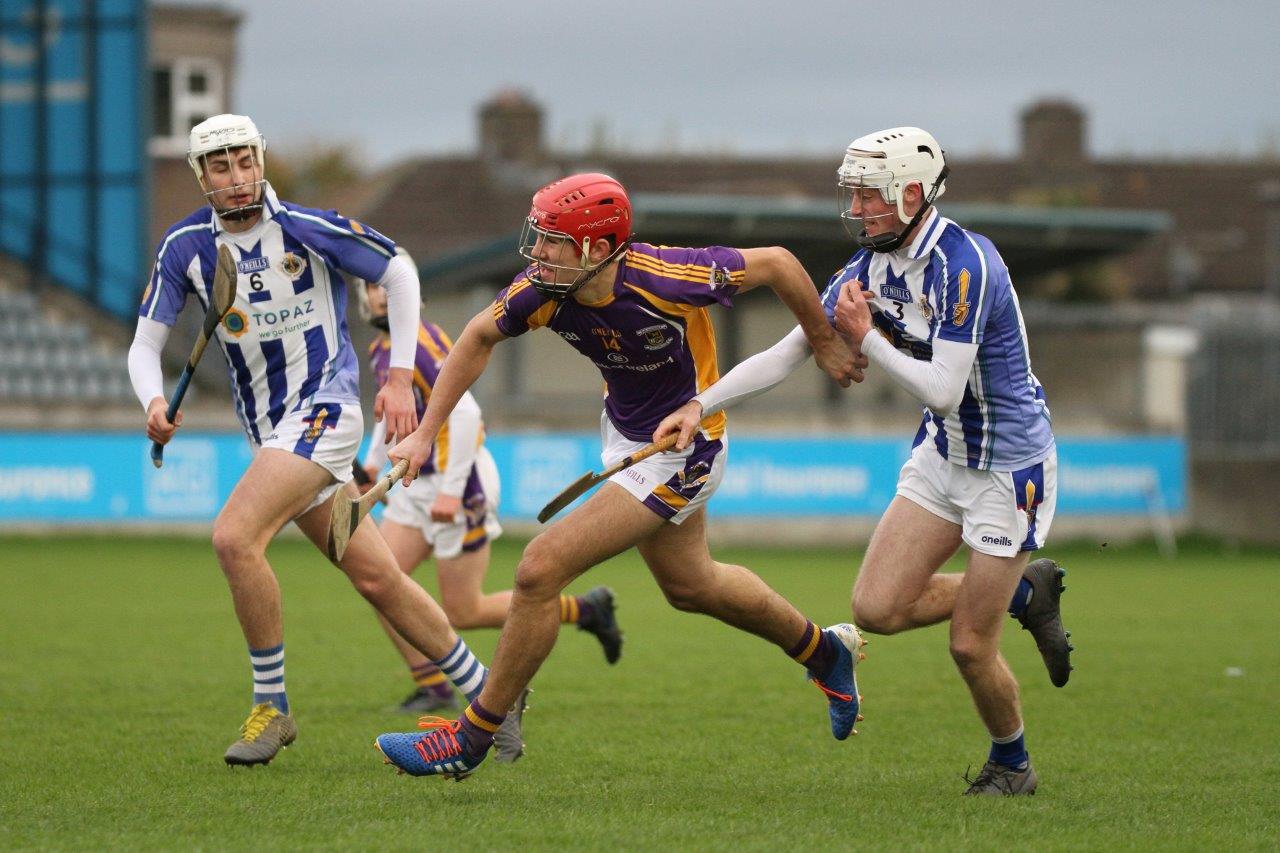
column 148, row 380
column 464, row 436
column 939, row 383
column 395, row 398
column 464, row 365
column 757, row 374
column 751, row 378
column 779, row 270
column 377, row 455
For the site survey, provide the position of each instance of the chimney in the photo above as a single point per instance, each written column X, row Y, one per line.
column 511, row 128
column 1053, row 138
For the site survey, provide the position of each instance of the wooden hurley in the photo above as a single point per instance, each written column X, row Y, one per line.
column 590, row 480
column 224, row 294
column 347, row 514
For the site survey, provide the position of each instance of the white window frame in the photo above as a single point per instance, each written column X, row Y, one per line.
column 184, row 104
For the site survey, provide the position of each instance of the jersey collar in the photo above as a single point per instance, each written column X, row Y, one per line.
column 927, row 236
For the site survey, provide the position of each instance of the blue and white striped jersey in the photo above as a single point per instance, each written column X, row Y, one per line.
column 950, row 284
column 286, row 336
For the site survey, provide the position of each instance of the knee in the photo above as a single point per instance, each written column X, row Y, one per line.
column 376, row 585
column 970, row 651
column 537, row 574
column 231, row 546
column 875, row 616
column 685, row 597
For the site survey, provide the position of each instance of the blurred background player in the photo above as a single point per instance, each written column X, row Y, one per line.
column 639, row 312
column 983, row 468
column 294, row 380
column 451, row 512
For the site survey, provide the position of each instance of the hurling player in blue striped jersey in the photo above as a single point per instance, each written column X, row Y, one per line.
column 294, row 382
column 932, row 305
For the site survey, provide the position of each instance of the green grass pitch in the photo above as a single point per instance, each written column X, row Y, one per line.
column 123, row 677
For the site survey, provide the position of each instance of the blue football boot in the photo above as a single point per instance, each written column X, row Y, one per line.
column 440, row 752
column 839, row 684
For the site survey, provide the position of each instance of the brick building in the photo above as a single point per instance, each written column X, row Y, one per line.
column 1217, row 238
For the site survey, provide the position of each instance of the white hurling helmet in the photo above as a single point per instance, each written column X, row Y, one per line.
column 361, row 295
column 888, row 161
column 221, row 135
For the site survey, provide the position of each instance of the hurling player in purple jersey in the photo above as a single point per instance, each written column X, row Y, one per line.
column 639, row 312
column 451, row 512
column 294, row 382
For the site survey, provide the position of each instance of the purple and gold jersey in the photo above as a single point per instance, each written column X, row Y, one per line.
column 433, row 346
column 651, row 337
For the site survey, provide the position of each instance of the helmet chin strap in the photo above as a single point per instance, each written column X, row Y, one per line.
column 892, row 241
column 240, row 214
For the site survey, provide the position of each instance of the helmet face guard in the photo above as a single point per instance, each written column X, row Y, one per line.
column 891, row 190
column 220, row 143
column 361, row 292
column 254, row 188
column 566, row 219
column 888, row 162
column 558, row 264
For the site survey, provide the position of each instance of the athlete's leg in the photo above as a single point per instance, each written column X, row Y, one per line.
column 678, row 557
column 410, row 550
column 981, row 609
column 610, row 522
column 897, row 587
column 276, row 487
column 372, row 569
column 462, row 594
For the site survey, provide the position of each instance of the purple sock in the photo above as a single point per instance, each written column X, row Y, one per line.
column 479, row 726
column 815, row 649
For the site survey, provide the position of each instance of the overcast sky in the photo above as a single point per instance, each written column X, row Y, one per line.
column 400, row 78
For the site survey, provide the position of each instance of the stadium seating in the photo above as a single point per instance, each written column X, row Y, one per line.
column 46, row 361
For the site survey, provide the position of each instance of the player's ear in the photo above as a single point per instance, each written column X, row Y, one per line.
column 600, row 249
column 912, row 195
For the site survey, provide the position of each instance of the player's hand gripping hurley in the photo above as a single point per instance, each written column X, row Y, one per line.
column 224, row 293
column 589, row 480
column 347, row 514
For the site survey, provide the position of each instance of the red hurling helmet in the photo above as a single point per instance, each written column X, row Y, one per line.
column 565, row 220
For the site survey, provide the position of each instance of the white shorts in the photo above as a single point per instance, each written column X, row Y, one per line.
column 328, row 434
column 671, row 484
column 473, row 527
column 1000, row 512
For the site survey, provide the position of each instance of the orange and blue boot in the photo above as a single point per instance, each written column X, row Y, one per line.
column 442, row 751
column 839, row 683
